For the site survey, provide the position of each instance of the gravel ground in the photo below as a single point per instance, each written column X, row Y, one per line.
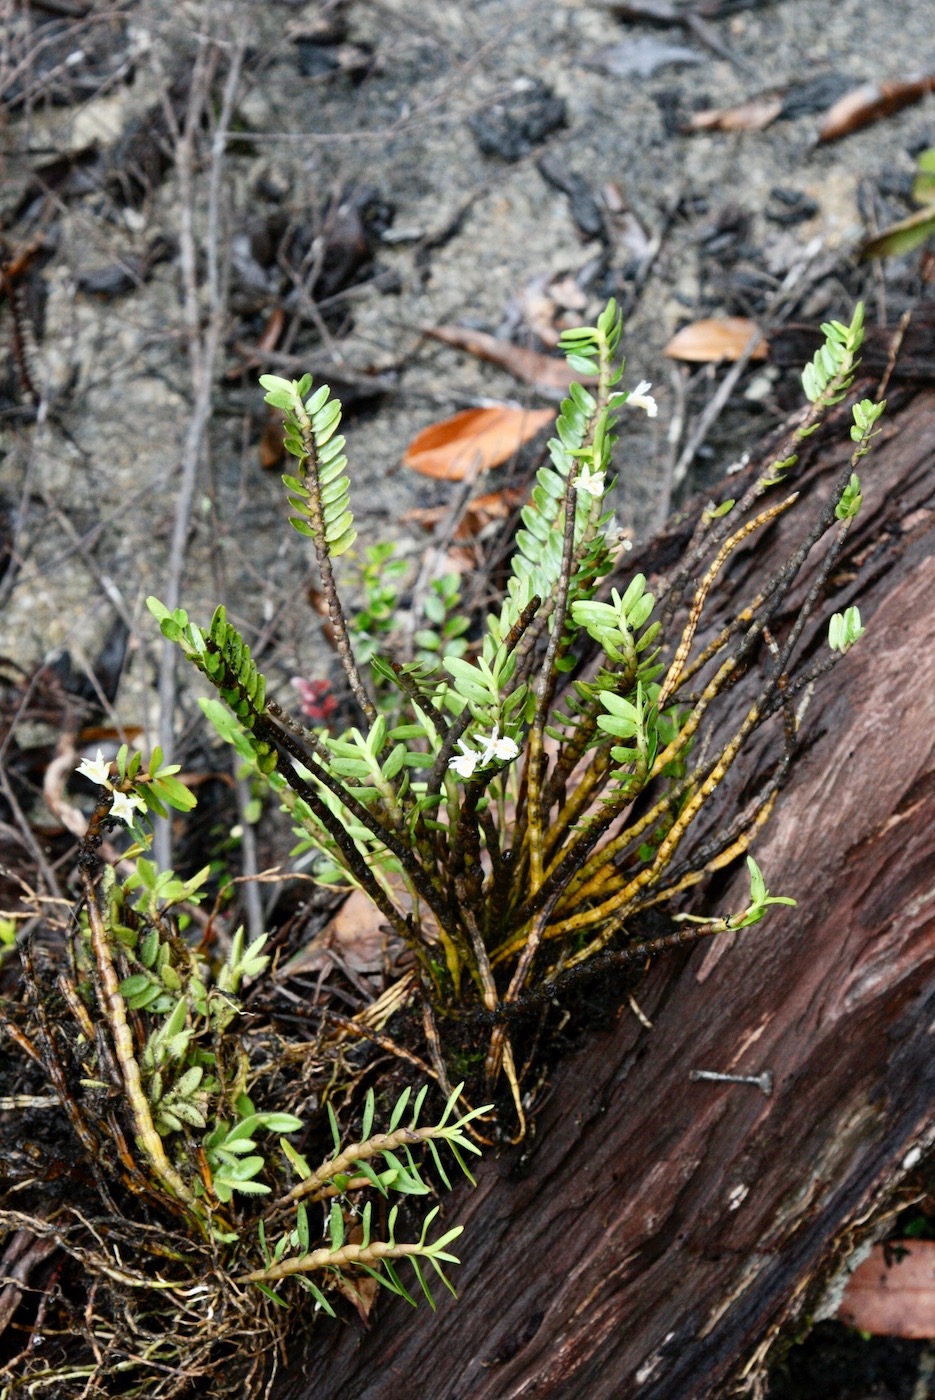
column 403, row 115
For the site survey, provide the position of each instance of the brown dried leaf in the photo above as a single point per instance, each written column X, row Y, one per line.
column 272, row 448
column 361, row 1292
column 870, row 102
column 547, row 375
column 720, row 338
column 894, row 1301
column 107, row 733
column 475, row 440
column 754, row 115
column 357, row 934
column 495, row 505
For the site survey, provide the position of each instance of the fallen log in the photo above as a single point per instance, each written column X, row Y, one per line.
column 657, row 1232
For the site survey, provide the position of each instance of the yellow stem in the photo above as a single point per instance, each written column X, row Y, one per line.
column 671, row 682
column 623, row 900
column 326, row 1258
column 116, row 1013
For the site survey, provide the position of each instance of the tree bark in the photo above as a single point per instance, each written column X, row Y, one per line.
column 655, row 1233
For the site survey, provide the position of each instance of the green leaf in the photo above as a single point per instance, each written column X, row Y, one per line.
column 245, row 1169
column 336, row 526
column 134, row 984
column 269, row 1292
column 367, row 1124
column 342, row 543
column 330, row 454
column 244, row 1129
column 246, row 1188
column 417, row 1106
column 188, row 1113
column 279, row 1122
column 316, row 1292
column 335, row 1133
column 397, row 1286
column 639, row 612
column 301, row 1166
column 581, row 364
column 723, row 509
column 395, row 762
column 275, row 381
column 406, row 1183
column 189, row 1082
column 844, row 630
column 618, row 705
column 177, row 1045
column 851, row 498
column 301, row 1225
column 582, row 399
column 399, row 1109
column 422, row 1284
column 903, row 236
column 757, row 883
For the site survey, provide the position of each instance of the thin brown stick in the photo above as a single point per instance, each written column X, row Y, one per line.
column 203, row 348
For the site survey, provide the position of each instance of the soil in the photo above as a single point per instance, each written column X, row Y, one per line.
column 396, row 126
column 390, row 166
column 835, row 1363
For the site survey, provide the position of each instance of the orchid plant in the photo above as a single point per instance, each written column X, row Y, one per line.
column 536, row 797
column 163, row 1025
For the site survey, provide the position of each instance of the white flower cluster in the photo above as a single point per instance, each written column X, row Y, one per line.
column 124, row 804
column 503, row 749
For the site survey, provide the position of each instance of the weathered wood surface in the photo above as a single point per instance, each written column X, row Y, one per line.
column 657, row 1230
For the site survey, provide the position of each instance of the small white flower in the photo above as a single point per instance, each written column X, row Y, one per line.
column 98, row 769
column 504, row 749
column 640, row 397
column 124, row 805
column 465, row 762
column 591, row 482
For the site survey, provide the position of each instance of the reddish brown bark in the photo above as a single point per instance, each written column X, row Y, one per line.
column 656, row 1231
